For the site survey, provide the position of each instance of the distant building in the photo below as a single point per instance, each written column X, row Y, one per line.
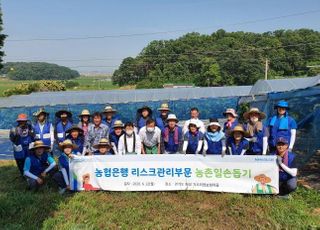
column 175, row 86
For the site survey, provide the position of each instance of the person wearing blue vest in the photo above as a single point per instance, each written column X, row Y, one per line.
column 193, row 138
column 287, row 167
column 75, row 134
column 257, row 132
column 172, row 135
column 143, row 114
column 237, row 144
column 115, row 135
column 43, row 129
column 281, row 125
column 38, row 165
column 162, row 119
column 62, row 177
column 21, row 137
column 109, row 117
column 103, row 147
column 214, row 139
column 63, row 124
column 231, row 122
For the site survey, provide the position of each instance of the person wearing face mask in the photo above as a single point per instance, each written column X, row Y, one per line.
column 21, row 137
column 257, row 132
column 129, row 142
column 281, row 125
column 237, row 144
column 115, row 135
column 161, row 121
column 150, row 136
column 231, row 122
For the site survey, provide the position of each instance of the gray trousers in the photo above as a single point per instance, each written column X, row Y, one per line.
column 288, row 186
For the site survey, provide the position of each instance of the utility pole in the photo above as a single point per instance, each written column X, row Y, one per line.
column 266, row 69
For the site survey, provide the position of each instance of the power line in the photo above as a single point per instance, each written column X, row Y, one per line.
column 163, row 32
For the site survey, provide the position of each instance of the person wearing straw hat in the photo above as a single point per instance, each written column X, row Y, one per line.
column 115, row 135
column 43, row 129
column 172, row 135
column 62, row 176
column 150, row 136
column 75, row 134
column 194, row 115
column 162, row 119
column 21, row 137
column 263, row 186
column 96, row 131
column 193, row 139
column 38, row 165
column 236, row 143
column 231, row 122
column 109, row 118
column 84, row 121
column 287, row 168
column 257, row 132
column 143, row 114
column 129, row 142
column 281, row 125
column 214, row 139
column 103, row 147
column 64, row 122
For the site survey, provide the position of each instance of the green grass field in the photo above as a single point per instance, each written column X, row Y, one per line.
column 46, row 209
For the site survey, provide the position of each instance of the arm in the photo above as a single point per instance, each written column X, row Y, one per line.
column 65, row 176
column 51, row 135
column 265, row 145
column 224, row 148
column 114, row 147
column 205, row 145
column 26, row 169
column 292, row 139
column 292, row 171
column 200, row 143
column 185, row 146
column 121, row 146
column 52, row 163
column 138, row 145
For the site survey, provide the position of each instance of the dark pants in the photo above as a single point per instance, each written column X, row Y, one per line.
column 288, row 186
column 58, row 178
column 34, row 185
column 20, row 164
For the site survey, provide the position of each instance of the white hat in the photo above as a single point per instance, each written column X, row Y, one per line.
column 172, row 117
column 194, row 122
column 215, row 123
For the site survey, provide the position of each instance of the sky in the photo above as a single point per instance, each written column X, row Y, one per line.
column 57, row 31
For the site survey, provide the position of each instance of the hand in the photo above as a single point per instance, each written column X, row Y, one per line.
column 223, row 153
column 43, row 174
column 68, row 187
column 279, row 160
column 40, row 181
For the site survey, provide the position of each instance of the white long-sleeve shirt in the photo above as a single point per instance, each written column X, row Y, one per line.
column 122, row 147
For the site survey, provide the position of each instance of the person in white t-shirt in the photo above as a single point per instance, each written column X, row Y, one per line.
column 194, row 114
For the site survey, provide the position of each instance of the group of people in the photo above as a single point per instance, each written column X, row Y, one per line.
column 101, row 133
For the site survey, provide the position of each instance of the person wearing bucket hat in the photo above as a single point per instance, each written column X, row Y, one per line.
column 43, row 129
column 84, row 121
column 214, row 139
column 129, row 142
column 64, row 122
column 194, row 115
column 115, row 135
column 62, row 176
column 287, row 167
column 38, row 165
column 143, row 114
column 281, row 125
column 21, row 137
column 172, row 135
column 257, row 132
column 75, row 134
column 96, row 131
column 109, row 118
column 193, row 138
column 162, row 119
column 231, row 122
column 237, row 144
column 103, row 147
column 263, row 186
column 150, row 136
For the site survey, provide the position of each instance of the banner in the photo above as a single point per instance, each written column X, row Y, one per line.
column 235, row 174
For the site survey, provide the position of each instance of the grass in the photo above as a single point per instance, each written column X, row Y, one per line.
column 21, row 209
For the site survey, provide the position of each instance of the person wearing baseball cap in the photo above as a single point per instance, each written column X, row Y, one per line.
column 115, row 135
column 237, row 144
column 287, row 167
column 193, row 139
column 161, row 121
column 281, row 125
column 172, row 135
column 231, row 122
column 21, row 137
column 214, row 139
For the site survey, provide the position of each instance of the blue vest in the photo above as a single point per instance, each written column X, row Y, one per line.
column 64, row 162
column 284, row 176
column 24, row 141
column 38, row 164
column 79, row 142
column 234, row 124
column 141, row 122
column 257, row 147
column 193, row 141
column 109, row 124
column 114, row 139
column 236, row 150
column 170, row 146
column 214, row 147
column 160, row 123
column 45, row 134
column 61, row 130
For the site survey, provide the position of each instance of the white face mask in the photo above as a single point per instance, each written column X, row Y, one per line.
column 129, row 132
column 254, row 119
column 150, row 130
